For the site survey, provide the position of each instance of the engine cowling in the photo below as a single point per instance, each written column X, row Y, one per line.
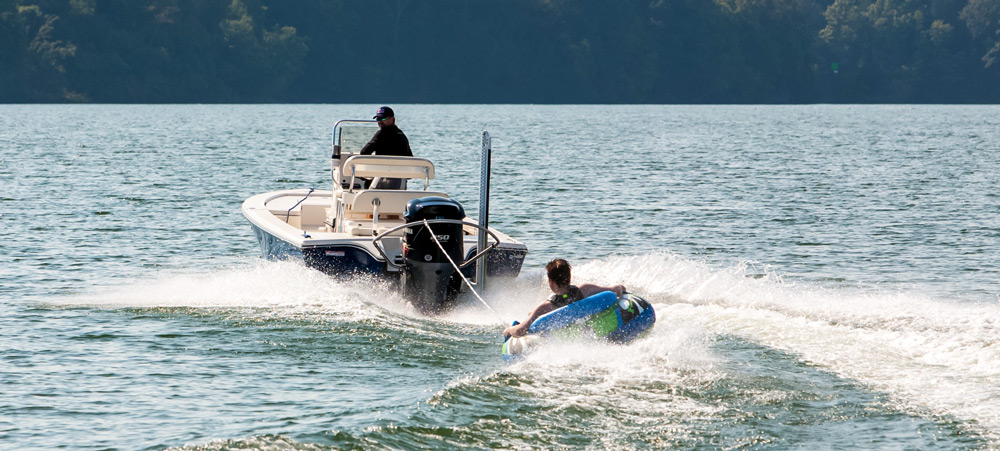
column 430, row 282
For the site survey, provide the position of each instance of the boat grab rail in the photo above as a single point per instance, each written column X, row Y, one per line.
column 389, row 166
column 379, row 237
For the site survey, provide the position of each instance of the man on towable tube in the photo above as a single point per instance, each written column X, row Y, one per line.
column 558, row 271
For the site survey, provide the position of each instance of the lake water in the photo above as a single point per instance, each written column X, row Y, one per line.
column 824, row 276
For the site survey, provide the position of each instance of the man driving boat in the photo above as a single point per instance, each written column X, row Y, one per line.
column 388, row 140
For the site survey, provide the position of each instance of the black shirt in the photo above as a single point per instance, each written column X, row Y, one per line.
column 572, row 295
column 388, row 140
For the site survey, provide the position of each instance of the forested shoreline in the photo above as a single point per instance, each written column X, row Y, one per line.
column 500, row 51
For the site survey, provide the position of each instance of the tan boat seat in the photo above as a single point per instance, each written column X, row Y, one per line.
column 391, row 202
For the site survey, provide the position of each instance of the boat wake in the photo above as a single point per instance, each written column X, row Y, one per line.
column 936, row 357
column 284, row 288
column 932, row 357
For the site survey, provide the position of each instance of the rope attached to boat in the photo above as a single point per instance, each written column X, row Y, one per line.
column 289, row 212
column 459, row 271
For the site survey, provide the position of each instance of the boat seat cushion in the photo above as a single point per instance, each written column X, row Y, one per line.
column 314, row 215
column 364, row 228
column 391, row 201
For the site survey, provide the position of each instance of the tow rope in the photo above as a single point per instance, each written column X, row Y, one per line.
column 459, row 271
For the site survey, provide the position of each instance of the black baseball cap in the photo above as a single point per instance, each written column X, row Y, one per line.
column 383, row 113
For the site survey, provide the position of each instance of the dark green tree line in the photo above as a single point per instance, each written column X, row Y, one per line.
column 509, row 51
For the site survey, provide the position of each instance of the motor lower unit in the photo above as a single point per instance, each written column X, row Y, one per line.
column 429, row 280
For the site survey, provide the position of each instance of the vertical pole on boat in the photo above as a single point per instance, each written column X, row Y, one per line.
column 335, row 157
column 484, row 209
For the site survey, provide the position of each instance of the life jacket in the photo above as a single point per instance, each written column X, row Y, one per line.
column 561, row 300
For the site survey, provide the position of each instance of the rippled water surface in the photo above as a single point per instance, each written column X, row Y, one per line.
column 824, row 276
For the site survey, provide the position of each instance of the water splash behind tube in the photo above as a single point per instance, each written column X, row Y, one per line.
column 931, row 355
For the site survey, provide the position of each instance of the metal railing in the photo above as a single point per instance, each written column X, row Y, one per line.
column 424, row 223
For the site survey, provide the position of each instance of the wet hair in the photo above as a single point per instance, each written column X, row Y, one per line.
column 559, row 272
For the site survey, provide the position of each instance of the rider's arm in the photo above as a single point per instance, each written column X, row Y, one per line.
column 522, row 329
column 589, row 289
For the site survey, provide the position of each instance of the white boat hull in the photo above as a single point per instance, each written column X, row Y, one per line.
column 299, row 234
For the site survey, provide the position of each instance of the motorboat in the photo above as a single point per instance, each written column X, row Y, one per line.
column 420, row 239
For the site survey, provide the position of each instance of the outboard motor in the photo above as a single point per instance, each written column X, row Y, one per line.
column 430, row 282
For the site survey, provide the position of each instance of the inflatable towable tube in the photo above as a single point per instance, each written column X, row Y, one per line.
column 603, row 316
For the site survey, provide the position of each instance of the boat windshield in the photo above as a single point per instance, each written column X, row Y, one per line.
column 352, row 136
